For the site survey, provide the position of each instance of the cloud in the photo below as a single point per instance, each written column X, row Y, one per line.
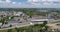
column 30, row 3
column 44, row 1
column 14, row 3
column 8, row 1
column 34, row 0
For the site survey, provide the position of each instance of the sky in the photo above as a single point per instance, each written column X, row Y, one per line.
column 29, row 3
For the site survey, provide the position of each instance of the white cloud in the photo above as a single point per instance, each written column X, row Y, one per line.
column 45, row 2
column 30, row 3
column 8, row 1
column 34, row 0
column 53, row 0
column 13, row 2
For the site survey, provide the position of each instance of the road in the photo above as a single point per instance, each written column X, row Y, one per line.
column 17, row 24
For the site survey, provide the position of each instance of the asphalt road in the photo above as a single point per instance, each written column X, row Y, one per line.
column 17, row 24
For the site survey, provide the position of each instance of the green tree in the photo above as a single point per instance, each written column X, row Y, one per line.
column 45, row 22
column 30, row 13
column 2, row 20
column 17, row 29
column 44, row 27
column 10, row 30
